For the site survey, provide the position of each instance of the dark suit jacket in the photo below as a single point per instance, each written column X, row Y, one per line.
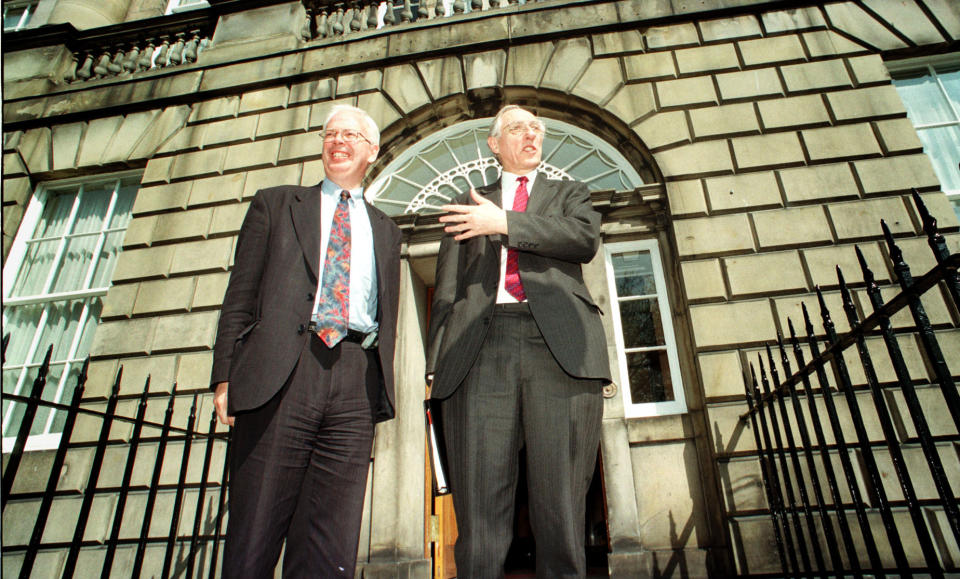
column 270, row 296
column 556, row 234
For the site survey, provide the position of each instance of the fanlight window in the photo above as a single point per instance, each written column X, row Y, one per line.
column 457, row 158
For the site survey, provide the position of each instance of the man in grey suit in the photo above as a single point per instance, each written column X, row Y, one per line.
column 518, row 356
column 303, row 362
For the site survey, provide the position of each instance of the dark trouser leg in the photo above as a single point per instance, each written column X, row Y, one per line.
column 282, row 459
column 481, row 423
column 326, row 524
column 562, row 418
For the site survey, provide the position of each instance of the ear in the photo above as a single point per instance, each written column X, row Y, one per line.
column 494, row 145
column 374, row 151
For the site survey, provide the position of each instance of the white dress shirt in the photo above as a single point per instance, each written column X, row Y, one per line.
column 363, row 271
column 508, row 190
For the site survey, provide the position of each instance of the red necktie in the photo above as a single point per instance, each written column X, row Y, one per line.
column 511, row 280
column 333, row 310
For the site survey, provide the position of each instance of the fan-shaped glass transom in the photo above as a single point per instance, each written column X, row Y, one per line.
column 453, row 160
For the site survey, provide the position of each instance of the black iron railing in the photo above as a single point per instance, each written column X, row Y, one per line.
column 184, row 552
column 792, row 463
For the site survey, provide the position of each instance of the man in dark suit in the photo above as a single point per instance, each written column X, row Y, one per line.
column 518, row 356
column 303, row 362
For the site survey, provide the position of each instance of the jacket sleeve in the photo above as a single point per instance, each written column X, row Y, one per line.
column 573, row 235
column 239, row 312
column 444, row 295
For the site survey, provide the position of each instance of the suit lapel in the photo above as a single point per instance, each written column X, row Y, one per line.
column 543, row 192
column 494, row 193
column 305, row 212
column 381, row 243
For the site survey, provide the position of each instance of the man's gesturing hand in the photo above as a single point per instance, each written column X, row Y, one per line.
column 220, row 403
column 467, row 221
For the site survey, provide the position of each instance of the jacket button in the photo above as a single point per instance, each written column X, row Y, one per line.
column 301, row 329
column 310, row 297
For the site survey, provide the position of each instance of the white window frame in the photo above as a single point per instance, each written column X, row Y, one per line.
column 31, row 8
column 18, row 250
column 645, row 409
column 175, row 6
column 929, row 66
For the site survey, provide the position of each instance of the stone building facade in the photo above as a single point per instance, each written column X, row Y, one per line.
column 756, row 144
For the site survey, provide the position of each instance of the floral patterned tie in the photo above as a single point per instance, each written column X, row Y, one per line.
column 333, row 308
column 511, row 280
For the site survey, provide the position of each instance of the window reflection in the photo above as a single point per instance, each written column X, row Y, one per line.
column 641, row 323
column 649, row 377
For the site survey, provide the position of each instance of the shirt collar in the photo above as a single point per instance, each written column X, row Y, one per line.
column 331, row 189
column 510, row 179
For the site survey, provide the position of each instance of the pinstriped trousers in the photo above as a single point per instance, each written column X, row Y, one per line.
column 515, row 396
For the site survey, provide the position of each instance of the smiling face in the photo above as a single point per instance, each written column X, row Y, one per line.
column 346, row 163
column 518, row 145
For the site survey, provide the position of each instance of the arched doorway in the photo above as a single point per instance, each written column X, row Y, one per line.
column 434, row 171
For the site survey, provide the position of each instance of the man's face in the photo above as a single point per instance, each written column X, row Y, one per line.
column 520, row 141
column 346, row 163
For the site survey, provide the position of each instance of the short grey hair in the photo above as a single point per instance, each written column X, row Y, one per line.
column 495, row 127
column 372, row 131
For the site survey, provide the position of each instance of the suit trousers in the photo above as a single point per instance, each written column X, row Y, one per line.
column 517, row 395
column 299, row 467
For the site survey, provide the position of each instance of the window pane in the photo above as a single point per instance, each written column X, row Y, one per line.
column 11, row 17
column 35, row 268
column 66, row 397
column 641, row 323
column 649, row 377
column 942, row 145
column 60, row 329
column 10, row 377
column 90, row 326
column 93, row 208
column 951, row 82
column 924, row 101
column 107, row 259
column 49, row 394
column 56, row 215
column 13, row 413
column 16, row 17
column 75, row 264
column 124, row 204
column 634, row 273
column 20, row 322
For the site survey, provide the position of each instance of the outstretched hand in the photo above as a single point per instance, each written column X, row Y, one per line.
column 467, row 221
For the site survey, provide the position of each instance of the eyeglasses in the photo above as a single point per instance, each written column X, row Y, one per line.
column 521, row 127
column 347, row 135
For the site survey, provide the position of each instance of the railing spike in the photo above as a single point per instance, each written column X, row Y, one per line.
column 896, row 254
column 808, row 325
column 928, row 220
